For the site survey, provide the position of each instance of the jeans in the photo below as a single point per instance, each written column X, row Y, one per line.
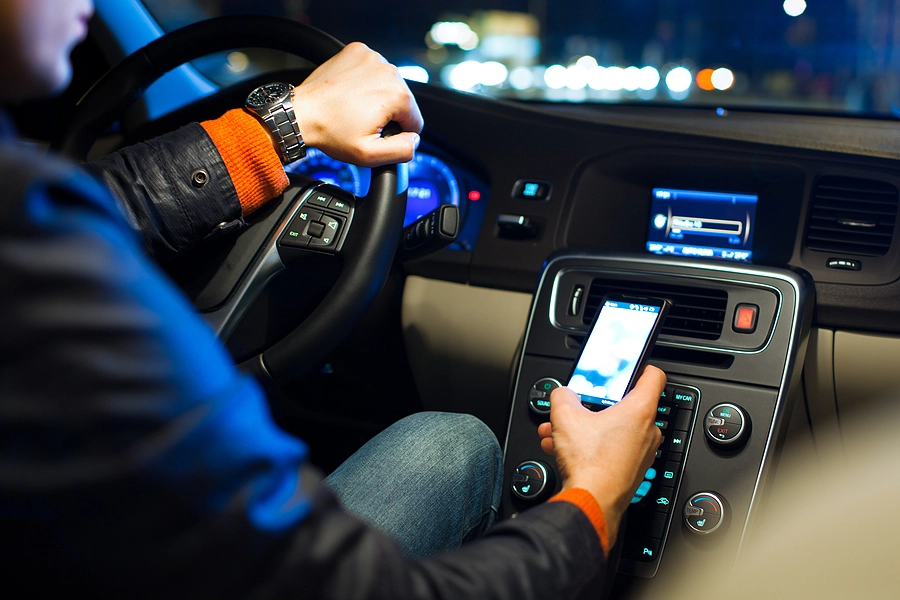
column 431, row 481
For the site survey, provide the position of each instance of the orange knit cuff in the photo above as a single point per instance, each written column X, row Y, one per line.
column 584, row 500
column 250, row 157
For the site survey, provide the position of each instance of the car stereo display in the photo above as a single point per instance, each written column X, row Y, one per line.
column 702, row 224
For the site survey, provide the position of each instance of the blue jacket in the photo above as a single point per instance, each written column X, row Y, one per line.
column 136, row 461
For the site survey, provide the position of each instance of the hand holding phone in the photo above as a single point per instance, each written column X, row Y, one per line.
column 605, row 453
column 617, row 348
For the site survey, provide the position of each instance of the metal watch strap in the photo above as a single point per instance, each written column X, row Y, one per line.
column 283, row 124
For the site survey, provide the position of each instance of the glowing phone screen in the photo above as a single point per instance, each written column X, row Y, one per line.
column 612, row 351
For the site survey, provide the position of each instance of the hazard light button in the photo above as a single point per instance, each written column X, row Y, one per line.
column 745, row 317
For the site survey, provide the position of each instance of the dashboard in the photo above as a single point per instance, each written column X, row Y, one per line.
column 823, row 190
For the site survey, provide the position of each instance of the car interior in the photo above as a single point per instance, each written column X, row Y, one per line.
column 769, row 228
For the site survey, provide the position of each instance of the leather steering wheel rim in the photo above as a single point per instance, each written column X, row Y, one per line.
column 381, row 213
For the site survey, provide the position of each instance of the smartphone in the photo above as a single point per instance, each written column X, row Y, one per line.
column 617, row 348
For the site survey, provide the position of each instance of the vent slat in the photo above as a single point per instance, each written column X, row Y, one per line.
column 696, row 312
column 884, row 199
column 837, row 199
column 854, row 210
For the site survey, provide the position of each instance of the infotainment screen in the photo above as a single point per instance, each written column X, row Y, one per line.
column 702, row 224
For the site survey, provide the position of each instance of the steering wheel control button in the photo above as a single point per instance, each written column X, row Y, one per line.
column 319, row 200
column 315, row 229
column 331, row 228
column 539, row 395
column 745, row 318
column 727, row 426
column 704, row 513
column 532, row 480
column 307, row 216
column 341, row 206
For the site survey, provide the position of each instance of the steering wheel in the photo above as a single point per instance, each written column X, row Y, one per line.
column 377, row 220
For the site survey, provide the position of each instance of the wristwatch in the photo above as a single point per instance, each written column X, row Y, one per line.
column 273, row 104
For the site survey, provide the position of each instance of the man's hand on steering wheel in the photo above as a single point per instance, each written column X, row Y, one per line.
column 343, row 106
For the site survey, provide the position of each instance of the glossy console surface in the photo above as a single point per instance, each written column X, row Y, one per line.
column 757, row 372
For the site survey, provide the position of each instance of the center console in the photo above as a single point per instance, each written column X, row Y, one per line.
column 732, row 347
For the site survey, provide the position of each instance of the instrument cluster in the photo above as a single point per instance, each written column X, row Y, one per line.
column 432, row 182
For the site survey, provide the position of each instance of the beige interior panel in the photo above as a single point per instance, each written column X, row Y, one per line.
column 818, row 377
column 866, row 370
column 461, row 342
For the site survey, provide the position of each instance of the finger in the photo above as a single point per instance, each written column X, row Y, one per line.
column 409, row 116
column 398, row 148
column 545, row 430
column 547, row 446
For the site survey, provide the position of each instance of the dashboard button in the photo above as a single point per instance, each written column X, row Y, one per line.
column 532, row 189
column 745, row 317
column 844, row 264
column 684, row 397
column 532, row 480
column 727, row 426
column 539, row 395
column 704, row 513
column 667, row 394
column 683, row 419
column 645, row 550
column 678, row 441
column 663, row 498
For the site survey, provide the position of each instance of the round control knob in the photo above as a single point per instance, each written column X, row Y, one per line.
column 532, row 480
column 539, row 395
column 727, row 426
column 704, row 513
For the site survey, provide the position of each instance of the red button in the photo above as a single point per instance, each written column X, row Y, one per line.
column 745, row 318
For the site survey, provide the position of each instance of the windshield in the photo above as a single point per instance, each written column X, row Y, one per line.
column 827, row 55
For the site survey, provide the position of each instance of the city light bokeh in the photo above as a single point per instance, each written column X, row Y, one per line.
column 828, row 55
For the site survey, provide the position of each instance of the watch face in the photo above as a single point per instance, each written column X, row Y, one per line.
column 267, row 94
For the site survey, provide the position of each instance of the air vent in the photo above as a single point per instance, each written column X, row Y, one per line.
column 852, row 216
column 696, row 312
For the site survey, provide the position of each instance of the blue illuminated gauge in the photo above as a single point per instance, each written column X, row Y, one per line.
column 431, row 183
column 319, row 165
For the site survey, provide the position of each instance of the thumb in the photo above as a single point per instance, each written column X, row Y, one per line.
column 648, row 388
column 563, row 397
column 398, row 148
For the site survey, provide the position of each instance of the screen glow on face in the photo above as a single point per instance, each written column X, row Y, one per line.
column 612, row 352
